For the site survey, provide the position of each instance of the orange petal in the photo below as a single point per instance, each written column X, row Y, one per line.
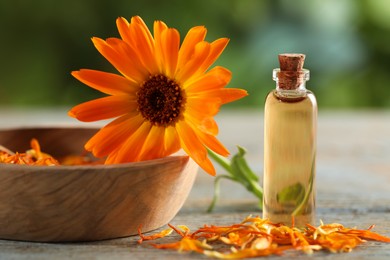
column 122, row 57
column 145, row 30
column 245, row 253
column 217, row 77
column 130, row 150
column 170, row 47
column 203, row 121
column 193, row 147
column 366, row 234
column 193, row 37
column 201, row 111
column 108, row 83
column 203, row 106
column 111, row 158
column 171, row 140
column 184, row 73
column 209, row 126
column 153, row 146
column 159, row 27
column 103, row 108
column 162, row 143
column 208, row 139
column 213, row 143
column 36, row 147
column 131, row 58
column 127, row 33
column 161, row 234
column 144, row 43
column 124, row 31
column 226, row 95
column 113, row 135
column 217, row 48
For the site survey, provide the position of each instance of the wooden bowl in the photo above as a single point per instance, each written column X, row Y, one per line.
column 90, row 202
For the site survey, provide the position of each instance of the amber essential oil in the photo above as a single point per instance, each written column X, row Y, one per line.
column 290, row 122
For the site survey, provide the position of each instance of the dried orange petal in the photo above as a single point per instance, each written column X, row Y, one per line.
column 255, row 237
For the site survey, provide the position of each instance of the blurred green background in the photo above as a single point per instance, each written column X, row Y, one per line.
column 347, row 44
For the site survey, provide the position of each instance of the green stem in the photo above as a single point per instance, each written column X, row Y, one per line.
column 216, row 190
column 237, row 170
column 222, row 161
column 257, row 191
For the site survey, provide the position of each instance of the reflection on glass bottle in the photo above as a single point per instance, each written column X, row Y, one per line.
column 290, row 122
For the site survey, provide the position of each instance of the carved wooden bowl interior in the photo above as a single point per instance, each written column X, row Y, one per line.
column 86, row 202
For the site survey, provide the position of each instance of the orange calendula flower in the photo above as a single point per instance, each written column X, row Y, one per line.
column 164, row 100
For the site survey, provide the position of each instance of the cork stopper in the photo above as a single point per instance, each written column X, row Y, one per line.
column 291, row 71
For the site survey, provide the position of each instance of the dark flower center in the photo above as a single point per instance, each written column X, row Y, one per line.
column 160, row 100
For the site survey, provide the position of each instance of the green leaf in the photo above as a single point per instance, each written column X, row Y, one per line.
column 240, row 166
column 293, row 194
column 301, row 207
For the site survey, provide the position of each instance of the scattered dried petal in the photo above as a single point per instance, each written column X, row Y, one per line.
column 161, row 234
column 186, row 244
column 255, row 237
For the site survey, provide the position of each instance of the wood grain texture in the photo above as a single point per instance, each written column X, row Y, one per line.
column 84, row 203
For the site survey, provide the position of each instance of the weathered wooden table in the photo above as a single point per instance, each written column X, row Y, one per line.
column 353, row 185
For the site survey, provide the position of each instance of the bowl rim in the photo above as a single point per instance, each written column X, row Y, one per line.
column 52, row 126
column 180, row 155
column 171, row 158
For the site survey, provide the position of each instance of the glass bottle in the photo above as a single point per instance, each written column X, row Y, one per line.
column 290, row 128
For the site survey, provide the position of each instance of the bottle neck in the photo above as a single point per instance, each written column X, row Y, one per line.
column 301, row 87
column 291, row 81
